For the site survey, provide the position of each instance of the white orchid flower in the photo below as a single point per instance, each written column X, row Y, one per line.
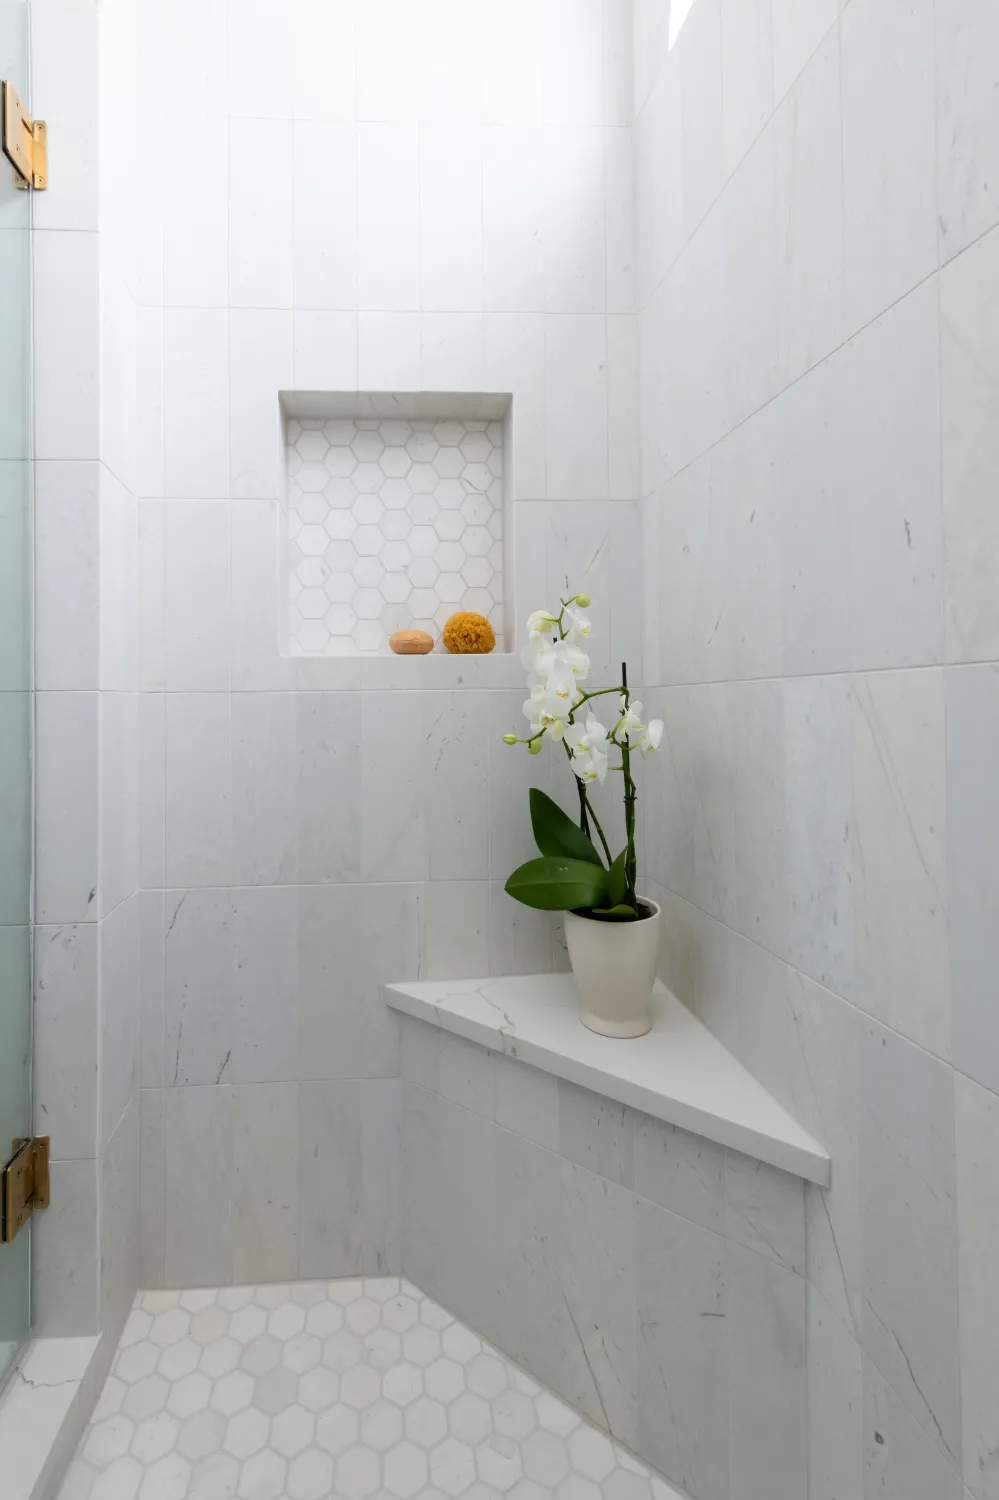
column 575, row 659
column 550, row 703
column 541, row 622
column 582, row 738
column 576, row 625
column 591, row 766
column 652, row 738
column 539, row 656
column 630, row 723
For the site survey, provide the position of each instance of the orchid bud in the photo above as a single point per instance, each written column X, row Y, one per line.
column 534, row 747
column 583, row 600
column 509, row 739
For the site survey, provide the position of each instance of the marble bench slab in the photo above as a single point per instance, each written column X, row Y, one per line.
column 679, row 1072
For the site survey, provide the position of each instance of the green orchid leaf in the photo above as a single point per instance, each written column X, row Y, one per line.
column 556, row 884
column 617, row 882
column 556, row 834
column 619, row 913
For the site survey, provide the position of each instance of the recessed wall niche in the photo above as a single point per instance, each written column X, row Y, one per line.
column 395, row 515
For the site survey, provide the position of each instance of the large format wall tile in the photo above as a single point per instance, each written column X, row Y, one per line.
column 977, row 1143
column 908, row 1231
column 652, row 1316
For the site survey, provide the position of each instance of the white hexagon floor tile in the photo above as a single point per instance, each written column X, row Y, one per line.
column 343, row 1390
column 390, row 524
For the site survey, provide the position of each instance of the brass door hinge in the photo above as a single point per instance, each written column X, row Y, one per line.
column 24, row 1185
column 25, row 142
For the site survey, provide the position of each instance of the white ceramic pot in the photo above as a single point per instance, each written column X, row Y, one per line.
column 615, row 968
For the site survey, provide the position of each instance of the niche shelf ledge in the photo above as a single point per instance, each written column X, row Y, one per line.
column 680, row 1072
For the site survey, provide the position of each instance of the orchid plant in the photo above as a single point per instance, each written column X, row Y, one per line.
column 572, row 874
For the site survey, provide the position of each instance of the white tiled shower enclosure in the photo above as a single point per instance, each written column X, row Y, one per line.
column 392, row 524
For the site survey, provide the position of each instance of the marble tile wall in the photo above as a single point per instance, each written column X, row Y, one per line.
column 86, row 972
column 423, row 197
column 649, row 1276
column 817, row 285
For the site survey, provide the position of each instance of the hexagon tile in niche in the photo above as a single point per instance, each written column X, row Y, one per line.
column 343, row 1390
column 391, row 524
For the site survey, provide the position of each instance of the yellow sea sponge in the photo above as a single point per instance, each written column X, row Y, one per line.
column 467, row 632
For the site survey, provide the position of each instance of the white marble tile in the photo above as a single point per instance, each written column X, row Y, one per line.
column 798, row 28
column 972, row 721
column 196, row 596
column 265, row 1181
column 260, row 246
column 976, row 1141
column 325, row 351
column 119, row 799
column 325, row 224
column 198, row 985
column 969, row 314
column 530, row 1319
column 66, row 575
column 198, row 1174
column 900, row 1461
column 819, row 816
column 765, row 1313
column 765, row 1210
column 826, row 1096
column 65, row 1257
column 598, row 1223
column 450, row 207
column 388, row 351
column 967, row 45
column 118, row 1032
column 527, row 1102
column 152, row 1188
column 466, row 1075
column 456, row 727
column 65, row 344
column 261, row 362
column 324, row 60
column 889, row 169
column 152, row 714
column 394, row 778
column 899, row 858
column 680, row 1172
column 65, row 1039
column 683, row 1353
column 64, row 62
column 891, row 486
column 119, row 1218
column 596, row 1133
column 810, row 209
column 198, row 795
column 456, row 928
column 835, row 1404
column 66, row 827
column 747, row 75
column 752, row 276
column 907, row 1188
column 700, row 52
column 573, row 58
column 576, row 407
column 388, row 216
column 351, row 940
column 262, row 1041
column 348, row 1177
column 574, row 221
column 196, row 403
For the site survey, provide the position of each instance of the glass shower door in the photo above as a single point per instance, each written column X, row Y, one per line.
column 15, row 683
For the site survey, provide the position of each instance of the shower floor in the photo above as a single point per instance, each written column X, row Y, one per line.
column 345, row 1389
